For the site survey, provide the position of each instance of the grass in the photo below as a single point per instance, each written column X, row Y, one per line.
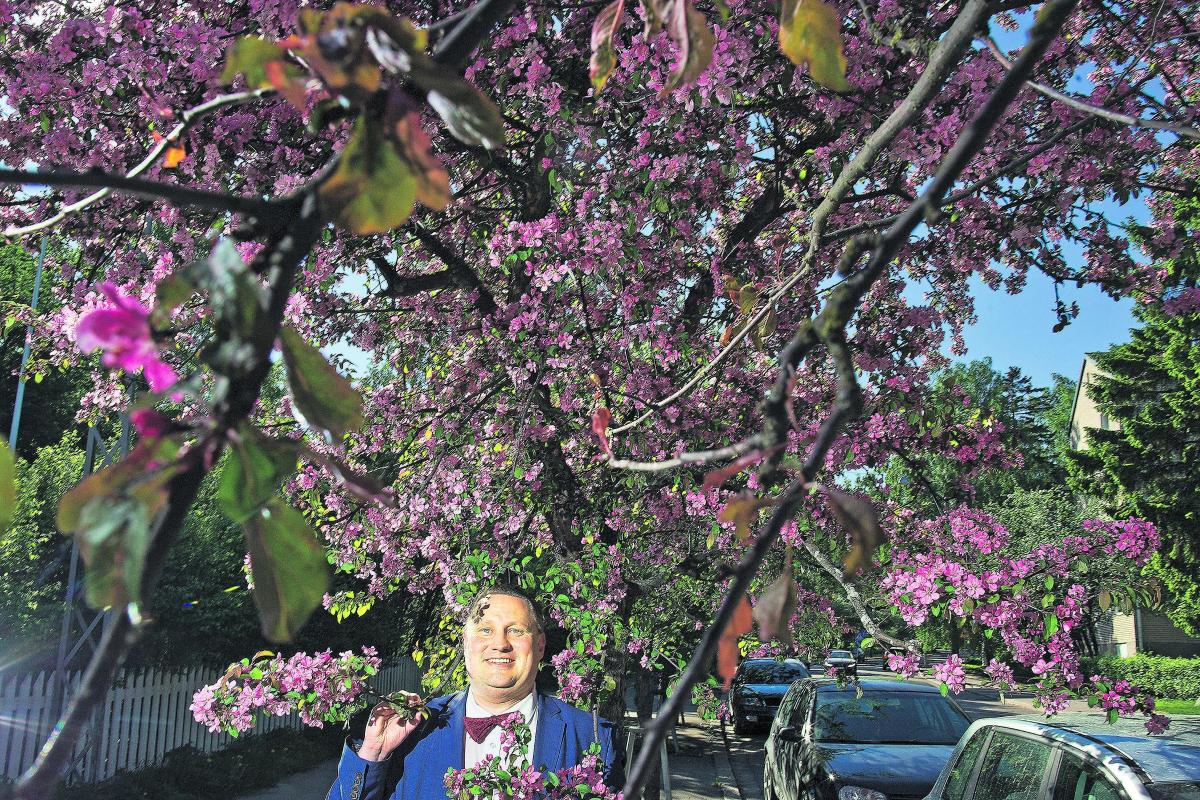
column 1176, row 707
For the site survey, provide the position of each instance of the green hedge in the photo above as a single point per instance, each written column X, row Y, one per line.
column 1175, row 678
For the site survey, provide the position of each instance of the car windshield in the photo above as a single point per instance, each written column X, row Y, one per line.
column 839, row 654
column 887, row 718
column 1175, row 791
column 772, row 672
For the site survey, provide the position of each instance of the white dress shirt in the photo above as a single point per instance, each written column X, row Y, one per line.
column 476, row 752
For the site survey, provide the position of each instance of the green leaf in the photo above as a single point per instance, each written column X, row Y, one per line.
column 171, row 292
column 114, row 537
column 8, row 485
column 325, row 398
column 256, row 674
column 234, row 295
column 1049, row 582
column 1113, row 714
column 470, row 115
column 252, row 475
column 372, row 190
column 291, row 573
column 944, row 689
column 867, row 643
column 810, row 34
column 604, row 57
column 249, row 56
column 1051, row 623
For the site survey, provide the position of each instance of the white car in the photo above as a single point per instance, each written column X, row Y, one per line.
column 1073, row 756
column 843, row 660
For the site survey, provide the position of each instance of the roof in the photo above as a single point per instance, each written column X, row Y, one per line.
column 791, row 662
column 1173, row 756
column 873, row 685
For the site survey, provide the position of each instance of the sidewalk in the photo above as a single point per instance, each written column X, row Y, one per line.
column 699, row 770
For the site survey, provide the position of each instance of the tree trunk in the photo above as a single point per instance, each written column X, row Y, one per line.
column 646, row 684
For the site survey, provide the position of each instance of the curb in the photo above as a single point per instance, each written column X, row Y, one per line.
column 730, row 790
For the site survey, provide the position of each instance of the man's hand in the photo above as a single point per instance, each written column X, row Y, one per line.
column 388, row 727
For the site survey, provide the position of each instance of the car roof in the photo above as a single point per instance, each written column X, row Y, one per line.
column 872, row 685
column 1173, row 756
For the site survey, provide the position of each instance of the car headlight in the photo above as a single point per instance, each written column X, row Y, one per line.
column 859, row 793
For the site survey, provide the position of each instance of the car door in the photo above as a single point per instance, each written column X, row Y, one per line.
column 783, row 750
column 1014, row 767
column 1081, row 778
column 964, row 767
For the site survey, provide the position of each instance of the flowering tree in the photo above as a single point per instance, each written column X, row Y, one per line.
column 619, row 294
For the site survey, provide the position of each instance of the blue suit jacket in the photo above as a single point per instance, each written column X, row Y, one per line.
column 416, row 769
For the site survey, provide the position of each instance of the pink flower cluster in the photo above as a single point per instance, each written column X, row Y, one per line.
column 951, row 673
column 321, row 687
column 122, row 331
column 579, row 675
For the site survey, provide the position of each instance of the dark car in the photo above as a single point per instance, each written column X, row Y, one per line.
column 1074, row 755
column 868, row 740
column 842, row 660
column 758, row 686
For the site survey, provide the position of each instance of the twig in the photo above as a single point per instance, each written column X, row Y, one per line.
column 697, row 457
column 186, row 119
column 1185, row 131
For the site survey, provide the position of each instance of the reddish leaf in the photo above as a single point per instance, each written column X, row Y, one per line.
column 858, row 517
column 727, row 647
column 689, row 30
column 717, row 477
column 600, row 419
column 742, row 511
column 774, row 609
column 284, row 79
column 415, row 146
column 810, row 34
column 603, row 56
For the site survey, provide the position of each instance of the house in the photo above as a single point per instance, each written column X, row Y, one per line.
column 1143, row 630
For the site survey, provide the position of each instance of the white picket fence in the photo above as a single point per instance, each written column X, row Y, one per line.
column 144, row 716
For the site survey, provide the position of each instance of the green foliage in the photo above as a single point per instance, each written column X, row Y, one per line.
column 1176, row 678
column 255, row 762
column 8, row 485
column 290, row 571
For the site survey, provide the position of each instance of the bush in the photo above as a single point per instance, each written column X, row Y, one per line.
column 1175, row 678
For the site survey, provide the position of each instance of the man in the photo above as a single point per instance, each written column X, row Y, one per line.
column 504, row 640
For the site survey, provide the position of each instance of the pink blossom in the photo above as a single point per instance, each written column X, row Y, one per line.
column 122, row 331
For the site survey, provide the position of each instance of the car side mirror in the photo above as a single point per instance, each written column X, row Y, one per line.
column 789, row 733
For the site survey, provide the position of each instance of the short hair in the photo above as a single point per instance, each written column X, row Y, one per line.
column 476, row 608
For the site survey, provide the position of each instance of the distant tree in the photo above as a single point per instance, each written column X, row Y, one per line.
column 1146, row 465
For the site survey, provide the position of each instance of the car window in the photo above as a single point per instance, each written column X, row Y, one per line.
column 887, row 718
column 960, row 773
column 1175, row 791
column 772, row 672
column 1012, row 768
column 839, row 654
column 1081, row 781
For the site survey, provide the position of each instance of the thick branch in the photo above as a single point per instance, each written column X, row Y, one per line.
column 179, row 195
column 843, row 302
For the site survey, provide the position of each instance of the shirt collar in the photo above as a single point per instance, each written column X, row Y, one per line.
column 527, row 706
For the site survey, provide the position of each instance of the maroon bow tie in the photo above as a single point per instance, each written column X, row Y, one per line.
column 478, row 728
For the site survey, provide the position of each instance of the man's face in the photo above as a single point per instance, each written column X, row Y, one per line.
column 503, row 649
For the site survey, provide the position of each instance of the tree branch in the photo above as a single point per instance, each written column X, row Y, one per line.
column 187, row 118
column 1185, row 131
column 838, row 309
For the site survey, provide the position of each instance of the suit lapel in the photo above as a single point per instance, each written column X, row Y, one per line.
column 551, row 735
column 455, row 732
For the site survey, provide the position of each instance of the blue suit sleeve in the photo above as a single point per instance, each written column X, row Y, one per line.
column 359, row 779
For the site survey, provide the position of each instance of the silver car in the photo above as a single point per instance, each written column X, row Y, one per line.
column 1073, row 756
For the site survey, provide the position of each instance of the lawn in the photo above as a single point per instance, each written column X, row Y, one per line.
column 1175, row 707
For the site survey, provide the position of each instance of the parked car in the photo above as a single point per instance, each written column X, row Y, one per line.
column 1073, row 756
column 875, row 740
column 844, row 660
column 758, row 686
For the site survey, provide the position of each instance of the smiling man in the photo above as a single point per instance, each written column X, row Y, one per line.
column 504, row 640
